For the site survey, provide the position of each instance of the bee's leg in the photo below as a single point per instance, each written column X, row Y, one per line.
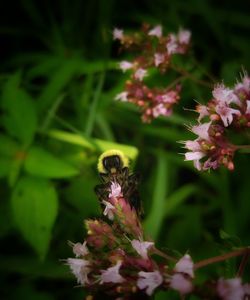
column 104, row 177
column 101, row 191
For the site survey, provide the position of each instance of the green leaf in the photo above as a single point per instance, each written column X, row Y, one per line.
column 154, row 220
column 178, row 197
column 8, row 147
column 42, row 163
column 34, row 208
column 20, row 119
column 93, row 144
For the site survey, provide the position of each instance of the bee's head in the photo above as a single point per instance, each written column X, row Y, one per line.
column 112, row 161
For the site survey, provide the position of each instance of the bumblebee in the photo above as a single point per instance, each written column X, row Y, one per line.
column 113, row 166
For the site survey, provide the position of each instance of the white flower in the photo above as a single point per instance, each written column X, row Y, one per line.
column 159, row 59
column 184, row 36
column 172, row 44
column 142, row 247
column 156, row 31
column 202, row 130
column 80, row 249
column 224, row 95
column 116, row 190
column 80, row 268
column 185, row 265
column 248, row 107
column 108, row 211
column 149, row 280
column 123, row 96
column 125, row 65
column 118, row 34
column 230, row 289
column 112, row 274
column 140, row 74
column 181, row 284
column 160, row 110
column 226, row 113
column 194, row 155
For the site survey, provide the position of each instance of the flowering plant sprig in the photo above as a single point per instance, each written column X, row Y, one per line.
column 228, row 111
column 118, row 260
column 154, row 50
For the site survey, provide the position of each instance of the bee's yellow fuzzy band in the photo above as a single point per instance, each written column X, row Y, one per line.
column 112, row 152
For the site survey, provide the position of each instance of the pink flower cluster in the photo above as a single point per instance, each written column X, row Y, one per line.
column 116, row 260
column 233, row 289
column 228, row 111
column 155, row 51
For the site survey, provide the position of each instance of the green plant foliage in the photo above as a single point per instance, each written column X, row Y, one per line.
column 20, row 119
column 40, row 162
column 35, row 206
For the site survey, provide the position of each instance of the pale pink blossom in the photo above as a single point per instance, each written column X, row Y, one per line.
column 80, row 249
column 109, row 210
column 160, row 110
column 112, row 274
column 169, row 97
column 140, row 74
column 116, row 190
column 224, row 95
column 185, row 265
column 248, row 107
column 125, row 65
column 195, row 156
column 159, row 59
column 172, row 45
column 203, row 111
column 142, row 247
column 156, row 31
column 193, row 145
column 181, row 284
column 226, row 113
column 149, row 280
column 118, row 34
column 202, row 130
column 184, row 36
column 246, row 288
column 123, row 96
column 230, row 289
column 80, row 268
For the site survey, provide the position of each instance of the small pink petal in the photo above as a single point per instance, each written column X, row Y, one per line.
column 156, row 31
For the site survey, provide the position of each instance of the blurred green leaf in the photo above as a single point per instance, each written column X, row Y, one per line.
column 40, row 162
column 8, row 146
column 93, row 144
column 34, row 207
column 155, row 218
column 178, row 197
column 20, row 118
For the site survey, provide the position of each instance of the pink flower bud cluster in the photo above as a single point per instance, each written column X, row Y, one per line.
column 228, row 111
column 154, row 51
column 115, row 259
column 233, row 289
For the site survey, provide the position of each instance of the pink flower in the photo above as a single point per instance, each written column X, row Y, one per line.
column 184, row 36
column 140, row 74
column 149, row 280
column 185, row 265
column 116, row 190
column 122, row 97
column 142, row 247
column 159, row 59
column 172, row 45
column 226, row 113
column 80, row 268
column 202, row 130
column 195, row 156
column 125, row 65
column 224, row 95
column 160, row 110
column 203, row 111
column 80, row 249
column 181, row 284
column 230, row 289
column 109, row 210
column 248, row 107
column 246, row 288
column 112, row 274
column 193, row 146
column 156, row 31
column 118, row 34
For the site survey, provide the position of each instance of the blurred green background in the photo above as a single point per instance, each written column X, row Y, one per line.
column 58, row 80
